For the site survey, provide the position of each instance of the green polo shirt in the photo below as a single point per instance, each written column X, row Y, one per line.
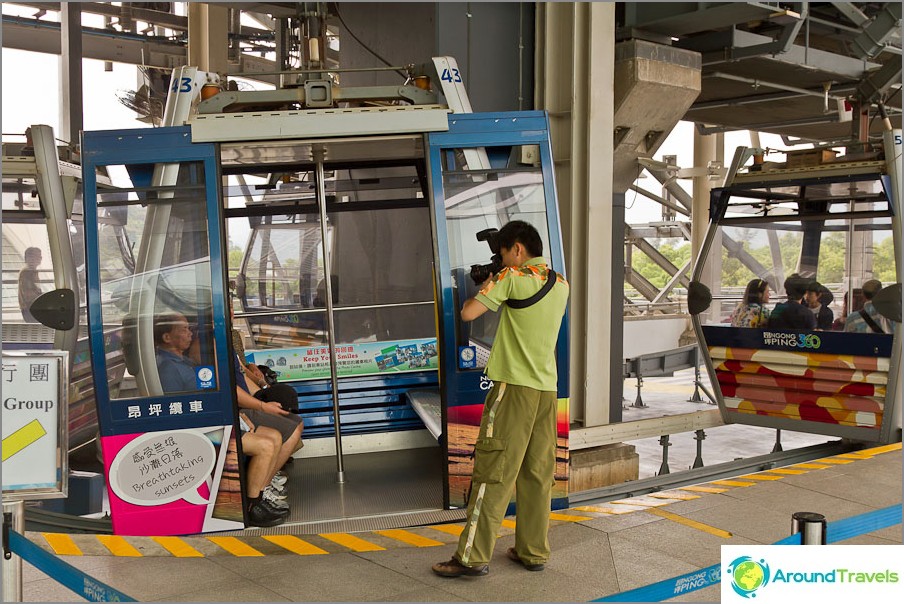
column 524, row 348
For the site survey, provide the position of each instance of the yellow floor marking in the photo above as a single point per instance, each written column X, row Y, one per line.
column 508, row 523
column 235, row 547
column 674, row 495
column 788, row 471
column 733, row 483
column 353, row 543
column 703, row 489
column 118, row 546
column 836, row 461
column 604, row 509
column 640, row 501
column 409, row 538
column 452, row 529
column 855, row 455
column 886, row 448
column 568, row 517
column 295, row 545
column 178, row 547
column 22, row 437
column 810, row 466
column 691, row 523
column 761, row 477
column 63, row 545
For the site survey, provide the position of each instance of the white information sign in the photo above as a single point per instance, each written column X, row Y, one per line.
column 34, row 424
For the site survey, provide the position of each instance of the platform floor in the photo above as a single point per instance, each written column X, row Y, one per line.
column 597, row 550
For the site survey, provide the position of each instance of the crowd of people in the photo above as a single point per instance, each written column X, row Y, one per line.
column 807, row 308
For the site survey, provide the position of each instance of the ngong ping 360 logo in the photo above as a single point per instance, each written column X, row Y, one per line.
column 795, row 340
column 747, row 575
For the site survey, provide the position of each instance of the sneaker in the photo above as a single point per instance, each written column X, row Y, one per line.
column 513, row 555
column 279, row 479
column 261, row 515
column 274, row 500
column 454, row 568
column 282, row 492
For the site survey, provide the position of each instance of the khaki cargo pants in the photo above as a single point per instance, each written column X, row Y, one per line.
column 516, row 449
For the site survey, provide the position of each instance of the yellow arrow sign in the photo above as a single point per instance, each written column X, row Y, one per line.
column 22, row 437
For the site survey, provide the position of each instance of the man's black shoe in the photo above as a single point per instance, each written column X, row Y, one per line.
column 263, row 515
column 513, row 555
column 454, row 568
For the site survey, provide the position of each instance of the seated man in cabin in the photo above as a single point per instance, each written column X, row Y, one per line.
column 173, row 337
column 29, row 290
column 814, row 301
column 791, row 314
column 262, row 445
column 868, row 319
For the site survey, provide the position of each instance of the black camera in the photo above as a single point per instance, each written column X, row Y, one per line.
column 482, row 272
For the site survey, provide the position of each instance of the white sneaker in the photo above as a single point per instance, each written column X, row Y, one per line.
column 279, row 479
column 274, row 500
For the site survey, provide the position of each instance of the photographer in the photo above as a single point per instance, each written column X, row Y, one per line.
column 516, row 445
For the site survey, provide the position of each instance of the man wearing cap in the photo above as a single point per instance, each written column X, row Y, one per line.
column 791, row 314
column 868, row 319
column 813, row 301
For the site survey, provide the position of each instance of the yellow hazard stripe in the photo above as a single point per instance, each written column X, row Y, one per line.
column 295, row 545
column 833, row 460
column 761, row 477
column 568, row 517
column 788, row 471
column 409, row 538
column 810, row 466
column 604, row 509
column 452, row 529
column 235, row 546
column 508, row 523
column 62, row 545
column 691, row 523
column 733, row 483
column 674, row 495
column 178, row 547
column 22, row 437
column 885, row 449
column 353, row 543
column 118, row 546
column 696, row 489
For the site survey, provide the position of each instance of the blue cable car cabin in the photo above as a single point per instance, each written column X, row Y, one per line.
column 834, row 228
column 344, row 261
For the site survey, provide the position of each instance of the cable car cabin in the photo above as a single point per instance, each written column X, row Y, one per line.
column 832, row 229
column 341, row 242
column 44, row 250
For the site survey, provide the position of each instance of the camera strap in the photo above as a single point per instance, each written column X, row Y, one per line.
column 547, row 287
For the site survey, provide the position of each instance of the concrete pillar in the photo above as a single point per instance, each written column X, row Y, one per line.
column 208, row 42
column 575, row 79
column 707, row 148
column 71, row 96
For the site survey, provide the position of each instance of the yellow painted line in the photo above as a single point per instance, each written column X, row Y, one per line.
column 886, row 448
column 409, row 538
column 118, row 546
column 604, row 509
column 353, row 543
column 856, row 455
column 761, row 477
column 642, row 501
column 235, row 547
column 22, row 437
column 62, row 545
column 733, row 483
column 691, row 523
column 508, row 523
column 452, row 529
column 810, row 466
column 295, row 545
column 788, row 471
column 674, row 495
column 832, row 460
column 177, row 547
column 703, row 489
column 568, row 517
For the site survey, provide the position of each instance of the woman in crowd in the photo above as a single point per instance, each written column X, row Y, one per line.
column 752, row 312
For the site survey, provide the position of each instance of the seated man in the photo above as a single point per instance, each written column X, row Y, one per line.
column 173, row 337
column 868, row 319
column 814, row 301
column 262, row 445
column 791, row 314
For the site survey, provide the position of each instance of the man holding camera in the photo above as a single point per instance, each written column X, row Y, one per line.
column 516, row 445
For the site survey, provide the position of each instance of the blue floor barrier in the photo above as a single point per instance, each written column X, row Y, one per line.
column 67, row 575
column 840, row 530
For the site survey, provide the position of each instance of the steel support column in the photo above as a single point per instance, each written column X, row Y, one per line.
column 71, row 103
column 208, row 40
column 707, row 148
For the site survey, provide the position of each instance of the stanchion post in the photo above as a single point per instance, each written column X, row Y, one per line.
column 811, row 526
column 13, row 520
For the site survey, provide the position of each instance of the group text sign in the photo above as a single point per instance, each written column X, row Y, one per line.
column 35, row 429
column 812, row 573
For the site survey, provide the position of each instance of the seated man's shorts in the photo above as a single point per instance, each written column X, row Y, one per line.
column 284, row 424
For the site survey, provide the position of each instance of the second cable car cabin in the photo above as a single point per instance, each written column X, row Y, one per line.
column 342, row 240
column 838, row 223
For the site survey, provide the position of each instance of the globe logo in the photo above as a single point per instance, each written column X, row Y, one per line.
column 748, row 575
